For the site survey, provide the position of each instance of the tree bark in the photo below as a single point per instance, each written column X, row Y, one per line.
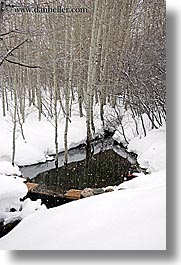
column 14, row 128
column 68, row 90
column 91, row 65
column 2, row 5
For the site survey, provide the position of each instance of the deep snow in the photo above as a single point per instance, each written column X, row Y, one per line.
column 131, row 218
column 12, row 189
column 39, row 142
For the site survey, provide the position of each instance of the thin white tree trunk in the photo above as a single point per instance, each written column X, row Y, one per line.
column 91, row 65
column 67, row 98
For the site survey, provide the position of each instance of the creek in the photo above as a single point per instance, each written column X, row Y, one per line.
column 108, row 166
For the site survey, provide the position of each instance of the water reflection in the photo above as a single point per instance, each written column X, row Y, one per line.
column 101, row 170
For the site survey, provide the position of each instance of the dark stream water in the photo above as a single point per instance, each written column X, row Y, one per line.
column 109, row 166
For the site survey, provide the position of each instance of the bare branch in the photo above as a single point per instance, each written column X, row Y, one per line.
column 22, row 64
column 10, row 51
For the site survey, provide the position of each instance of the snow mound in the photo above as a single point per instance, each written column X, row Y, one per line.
column 26, row 208
column 11, row 190
column 121, row 220
column 145, row 181
column 29, row 206
column 151, row 150
column 28, row 154
column 39, row 137
column 6, row 168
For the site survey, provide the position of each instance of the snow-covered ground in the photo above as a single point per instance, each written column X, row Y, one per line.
column 132, row 218
column 12, row 189
column 39, row 137
column 37, row 147
column 151, row 149
column 129, row 219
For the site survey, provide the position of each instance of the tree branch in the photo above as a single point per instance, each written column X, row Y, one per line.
column 10, row 51
column 7, row 33
column 22, row 64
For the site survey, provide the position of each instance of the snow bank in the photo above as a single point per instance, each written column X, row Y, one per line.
column 6, row 168
column 145, row 181
column 130, row 129
column 39, row 137
column 132, row 219
column 25, row 208
column 11, row 190
column 151, row 149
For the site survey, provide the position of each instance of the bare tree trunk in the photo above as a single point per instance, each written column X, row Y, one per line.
column 143, row 125
column 38, row 94
column 103, row 55
column 14, row 127
column 80, row 84
column 91, row 66
column 80, row 100
column 21, row 125
column 38, row 81
column 3, row 100
column 2, row 5
column 55, row 110
column 68, row 90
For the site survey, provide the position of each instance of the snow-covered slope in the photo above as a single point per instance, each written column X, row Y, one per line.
column 39, row 136
column 39, row 141
column 132, row 218
column 151, row 149
column 125, row 219
column 11, row 190
column 7, row 168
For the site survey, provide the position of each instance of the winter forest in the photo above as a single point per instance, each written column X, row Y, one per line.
column 72, row 72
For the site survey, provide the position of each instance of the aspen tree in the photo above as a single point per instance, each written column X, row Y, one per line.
column 91, row 65
column 67, row 92
column 55, row 87
column 14, row 120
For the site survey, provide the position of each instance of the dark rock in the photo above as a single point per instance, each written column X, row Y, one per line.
column 87, row 192
column 13, row 210
column 121, row 189
column 109, row 190
column 98, row 191
column 6, row 228
column 82, row 146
